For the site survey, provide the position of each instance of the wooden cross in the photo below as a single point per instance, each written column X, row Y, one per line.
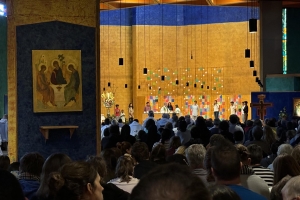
column 261, row 106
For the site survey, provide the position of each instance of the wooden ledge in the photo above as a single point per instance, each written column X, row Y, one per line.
column 45, row 130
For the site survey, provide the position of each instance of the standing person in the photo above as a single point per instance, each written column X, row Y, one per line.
column 216, row 109
column 195, row 110
column 165, row 108
column 147, row 107
column 170, row 107
column 244, row 111
column 130, row 112
column 4, row 132
column 122, row 116
column 232, row 108
column 177, row 110
column 117, row 111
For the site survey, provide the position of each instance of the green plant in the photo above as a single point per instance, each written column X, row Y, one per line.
column 283, row 114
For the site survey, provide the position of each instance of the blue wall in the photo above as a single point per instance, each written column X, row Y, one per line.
column 56, row 36
column 166, row 14
column 279, row 100
column 3, row 63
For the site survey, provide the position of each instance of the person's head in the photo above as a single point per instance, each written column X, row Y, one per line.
column 165, row 104
column 169, row 126
column 182, row 126
column 195, row 155
column 233, row 119
column 238, row 136
column 284, row 149
column 195, row 102
column 175, row 142
column 225, row 162
column 114, row 130
column 10, row 188
column 165, row 115
column 195, row 133
column 125, row 147
column 215, row 101
column 130, row 105
column 76, row 180
column 257, row 122
column 221, row 192
column 231, row 103
column 107, row 121
column 256, row 153
column 158, row 153
column 111, row 156
column 244, row 154
column 140, row 151
column 176, row 106
column 32, row 163
column 187, row 119
column 257, row 132
column 169, row 103
column 296, row 154
column 166, row 134
column 14, row 166
column 276, row 189
column 249, row 123
column 125, row 131
column 5, row 116
column 120, row 121
column 124, row 169
column 149, row 123
column 170, row 181
column 99, row 164
column 285, row 165
column 224, row 126
column 217, row 122
column 215, row 139
column 268, row 134
column 117, row 105
column 4, row 162
column 246, row 102
column 52, row 164
column 291, row 189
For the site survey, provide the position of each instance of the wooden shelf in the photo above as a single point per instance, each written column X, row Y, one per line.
column 45, row 130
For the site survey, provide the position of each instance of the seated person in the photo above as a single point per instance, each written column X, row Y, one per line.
column 31, row 165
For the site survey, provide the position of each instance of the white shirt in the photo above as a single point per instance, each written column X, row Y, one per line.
column 195, row 109
column 135, row 127
column 3, row 130
column 216, row 107
column 243, row 110
column 232, row 109
column 124, row 185
column 103, row 128
column 164, row 109
column 177, row 110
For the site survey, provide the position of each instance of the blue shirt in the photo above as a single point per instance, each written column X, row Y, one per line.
column 245, row 193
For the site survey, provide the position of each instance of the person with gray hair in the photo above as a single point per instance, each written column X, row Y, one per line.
column 150, row 116
column 195, row 155
column 291, row 189
column 282, row 149
column 163, row 121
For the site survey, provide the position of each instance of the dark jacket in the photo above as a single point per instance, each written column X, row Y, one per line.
column 143, row 168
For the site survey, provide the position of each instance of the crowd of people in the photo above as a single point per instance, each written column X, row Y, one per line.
column 171, row 158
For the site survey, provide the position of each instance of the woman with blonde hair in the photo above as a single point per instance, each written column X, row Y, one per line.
column 124, row 173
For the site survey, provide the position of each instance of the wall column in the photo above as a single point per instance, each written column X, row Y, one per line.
column 271, row 39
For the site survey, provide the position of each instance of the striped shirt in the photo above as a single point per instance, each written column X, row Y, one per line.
column 266, row 174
